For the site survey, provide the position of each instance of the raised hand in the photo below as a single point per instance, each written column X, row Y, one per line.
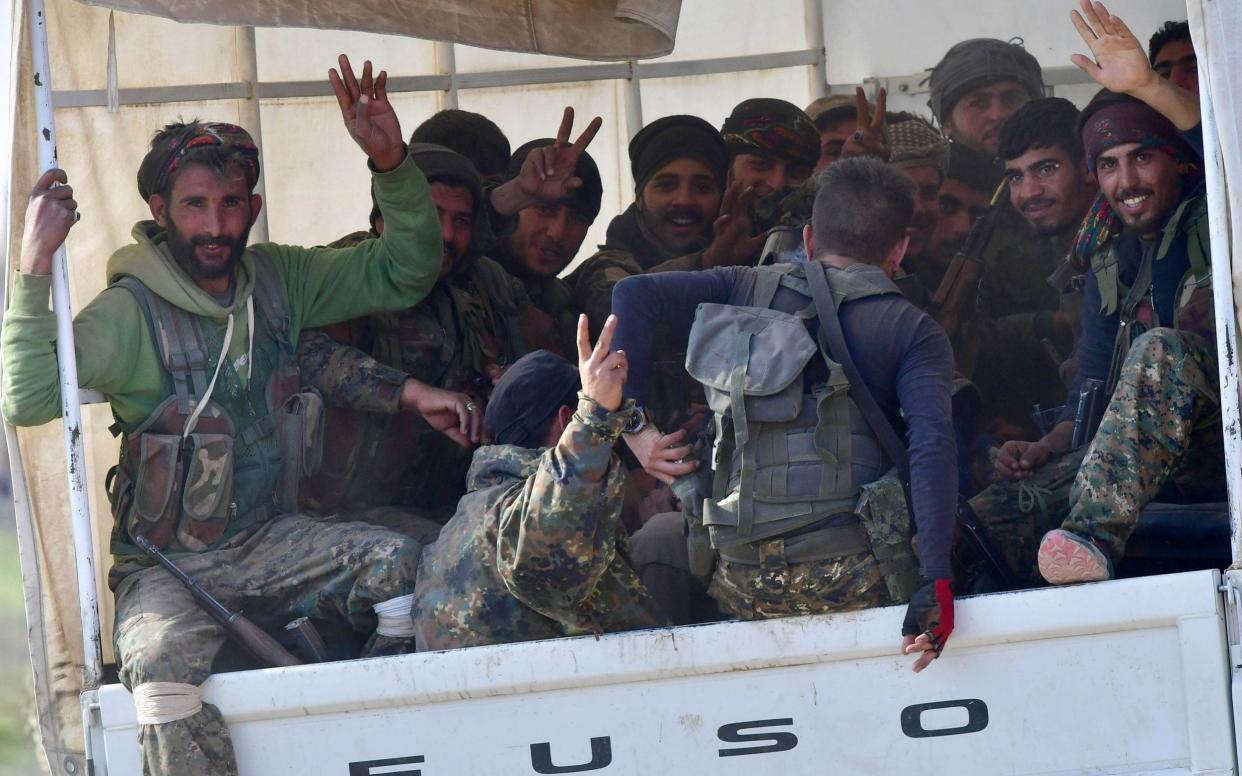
column 547, row 175
column 368, row 114
column 1120, row 61
column 868, row 137
column 52, row 212
column 453, row 414
column 602, row 371
column 732, row 243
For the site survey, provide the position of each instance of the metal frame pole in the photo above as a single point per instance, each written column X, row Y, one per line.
column 813, row 12
column 446, row 64
column 248, row 56
column 1226, row 326
column 633, row 101
column 79, row 499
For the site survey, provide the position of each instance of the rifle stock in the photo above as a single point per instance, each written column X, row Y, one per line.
column 254, row 639
column 954, row 300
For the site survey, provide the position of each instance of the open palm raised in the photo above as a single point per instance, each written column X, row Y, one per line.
column 368, row 114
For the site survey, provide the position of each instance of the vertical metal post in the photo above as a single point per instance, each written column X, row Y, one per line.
column 248, row 59
column 1226, row 327
column 79, row 499
column 446, row 64
column 813, row 12
column 633, row 101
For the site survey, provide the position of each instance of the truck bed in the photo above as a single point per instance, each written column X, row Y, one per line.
column 1128, row 676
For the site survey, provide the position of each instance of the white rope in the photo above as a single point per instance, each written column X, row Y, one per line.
column 157, row 703
column 395, row 617
column 192, row 421
column 250, row 338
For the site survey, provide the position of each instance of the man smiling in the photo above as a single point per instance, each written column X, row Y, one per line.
column 1148, row 330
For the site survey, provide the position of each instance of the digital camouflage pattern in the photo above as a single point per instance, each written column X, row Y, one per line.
column 1165, row 406
column 382, row 455
column 776, row 588
column 536, row 549
column 1017, row 514
column 1162, row 433
column 288, row 568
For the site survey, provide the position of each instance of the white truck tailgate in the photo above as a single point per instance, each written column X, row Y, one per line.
column 1121, row 677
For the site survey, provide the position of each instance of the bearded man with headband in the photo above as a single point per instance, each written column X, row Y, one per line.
column 1148, row 333
column 193, row 344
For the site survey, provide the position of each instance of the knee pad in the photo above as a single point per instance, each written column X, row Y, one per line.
column 157, row 703
column 395, row 617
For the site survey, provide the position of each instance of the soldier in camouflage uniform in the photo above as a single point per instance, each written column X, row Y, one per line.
column 1147, row 335
column 543, row 244
column 193, row 346
column 976, row 86
column 536, row 549
column 424, row 373
column 1050, row 187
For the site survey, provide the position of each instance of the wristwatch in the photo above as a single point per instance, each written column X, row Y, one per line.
column 637, row 421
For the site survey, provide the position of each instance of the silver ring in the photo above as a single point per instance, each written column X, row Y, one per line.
column 471, row 406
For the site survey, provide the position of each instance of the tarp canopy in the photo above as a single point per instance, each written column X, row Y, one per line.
column 586, row 29
column 316, row 184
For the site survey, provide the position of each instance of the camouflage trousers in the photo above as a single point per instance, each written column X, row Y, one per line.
column 1160, row 436
column 291, row 567
column 1162, row 433
column 777, row 588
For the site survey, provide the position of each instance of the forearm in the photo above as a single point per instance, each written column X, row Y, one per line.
column 31, row 379
column 644, row 304
column 557, row 535
column 1176, row 104
column 348, row 378
column 923, row 388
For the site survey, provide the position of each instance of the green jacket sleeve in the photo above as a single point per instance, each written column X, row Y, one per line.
column 395, row 271
column 112, row 355
column 557, row 535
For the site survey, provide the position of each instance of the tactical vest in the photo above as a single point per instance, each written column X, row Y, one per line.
column 188, row 484
column 790, row 459
column 1193, row 306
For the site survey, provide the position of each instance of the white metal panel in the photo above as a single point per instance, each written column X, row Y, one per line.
column 1122, row 677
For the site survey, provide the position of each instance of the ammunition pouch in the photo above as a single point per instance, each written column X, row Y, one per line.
column 300, row 424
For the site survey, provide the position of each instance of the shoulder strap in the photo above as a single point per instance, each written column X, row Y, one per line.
column 179, row 340
column 269, row 295
column 832, row 342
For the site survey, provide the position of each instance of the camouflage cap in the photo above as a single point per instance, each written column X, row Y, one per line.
column 914, row 142
column 979, row 62
column 832, row 108
column 526, row 396
column 175, row 143
column 774, row 128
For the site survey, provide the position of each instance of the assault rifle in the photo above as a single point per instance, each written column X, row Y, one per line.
column 954, row 300
column 248, row 635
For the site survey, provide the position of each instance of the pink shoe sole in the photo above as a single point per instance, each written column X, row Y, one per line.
column 1066, row 559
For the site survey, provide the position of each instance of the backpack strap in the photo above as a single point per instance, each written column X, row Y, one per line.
column 269, row 296
column 832, row 342
column 179, row 340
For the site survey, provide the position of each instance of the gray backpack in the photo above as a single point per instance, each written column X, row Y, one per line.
column 789, row 455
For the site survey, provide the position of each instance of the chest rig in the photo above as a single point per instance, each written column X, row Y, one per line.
column 222, row 453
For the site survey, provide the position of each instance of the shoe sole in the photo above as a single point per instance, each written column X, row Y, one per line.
column 1063, row 561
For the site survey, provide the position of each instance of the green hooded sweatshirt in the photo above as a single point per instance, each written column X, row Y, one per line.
column 115, row 352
